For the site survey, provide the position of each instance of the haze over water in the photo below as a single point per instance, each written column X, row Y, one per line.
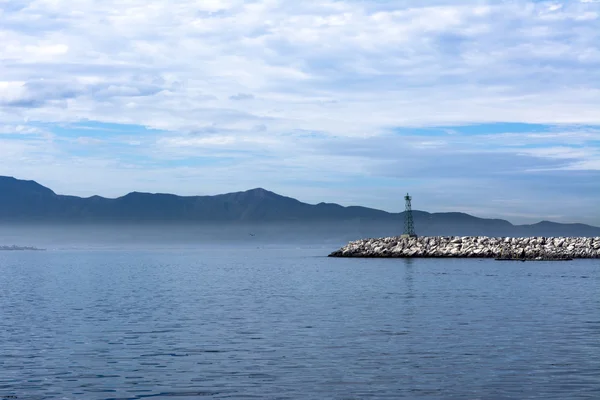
column 283, row 321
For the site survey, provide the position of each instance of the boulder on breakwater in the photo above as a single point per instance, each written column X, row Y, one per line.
column 527, row 248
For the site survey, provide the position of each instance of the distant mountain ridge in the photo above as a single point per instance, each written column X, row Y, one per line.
column 24, row 201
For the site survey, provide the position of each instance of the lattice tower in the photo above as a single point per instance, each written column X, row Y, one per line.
column 409, row 225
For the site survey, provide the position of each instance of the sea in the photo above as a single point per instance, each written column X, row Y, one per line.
column 278, row 319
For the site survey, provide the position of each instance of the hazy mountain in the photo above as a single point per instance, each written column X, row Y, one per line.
column 29, row 202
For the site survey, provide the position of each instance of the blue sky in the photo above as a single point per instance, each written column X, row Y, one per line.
column 486, row 107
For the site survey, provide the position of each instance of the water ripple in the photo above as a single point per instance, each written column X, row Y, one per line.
column 284, row 324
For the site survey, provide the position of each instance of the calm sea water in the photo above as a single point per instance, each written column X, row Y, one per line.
column 282, row 322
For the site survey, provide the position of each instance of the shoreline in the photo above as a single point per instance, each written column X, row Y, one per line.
column 499, row 248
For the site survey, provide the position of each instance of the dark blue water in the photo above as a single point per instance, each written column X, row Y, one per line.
column 287, row 323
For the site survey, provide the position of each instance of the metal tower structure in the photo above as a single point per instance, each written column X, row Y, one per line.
column 409, row 226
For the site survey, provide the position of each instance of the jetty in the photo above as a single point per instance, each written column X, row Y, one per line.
column 500, row 248
column 19, row 248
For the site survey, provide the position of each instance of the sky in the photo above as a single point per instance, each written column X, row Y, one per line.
column 485, row 107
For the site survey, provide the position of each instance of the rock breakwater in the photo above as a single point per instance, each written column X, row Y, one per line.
column 20, row 248
column 527, row 248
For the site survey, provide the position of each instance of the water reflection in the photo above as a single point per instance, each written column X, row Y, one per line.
column 409, row 289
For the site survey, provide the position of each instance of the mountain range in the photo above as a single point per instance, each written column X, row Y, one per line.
column 24, row 201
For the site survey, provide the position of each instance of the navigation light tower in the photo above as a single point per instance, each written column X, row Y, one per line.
column 409, row 226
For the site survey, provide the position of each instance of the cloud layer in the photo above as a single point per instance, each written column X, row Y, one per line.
column 488, row 107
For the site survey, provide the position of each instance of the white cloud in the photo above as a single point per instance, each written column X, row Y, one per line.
column 384, row 64
column 23, row 129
